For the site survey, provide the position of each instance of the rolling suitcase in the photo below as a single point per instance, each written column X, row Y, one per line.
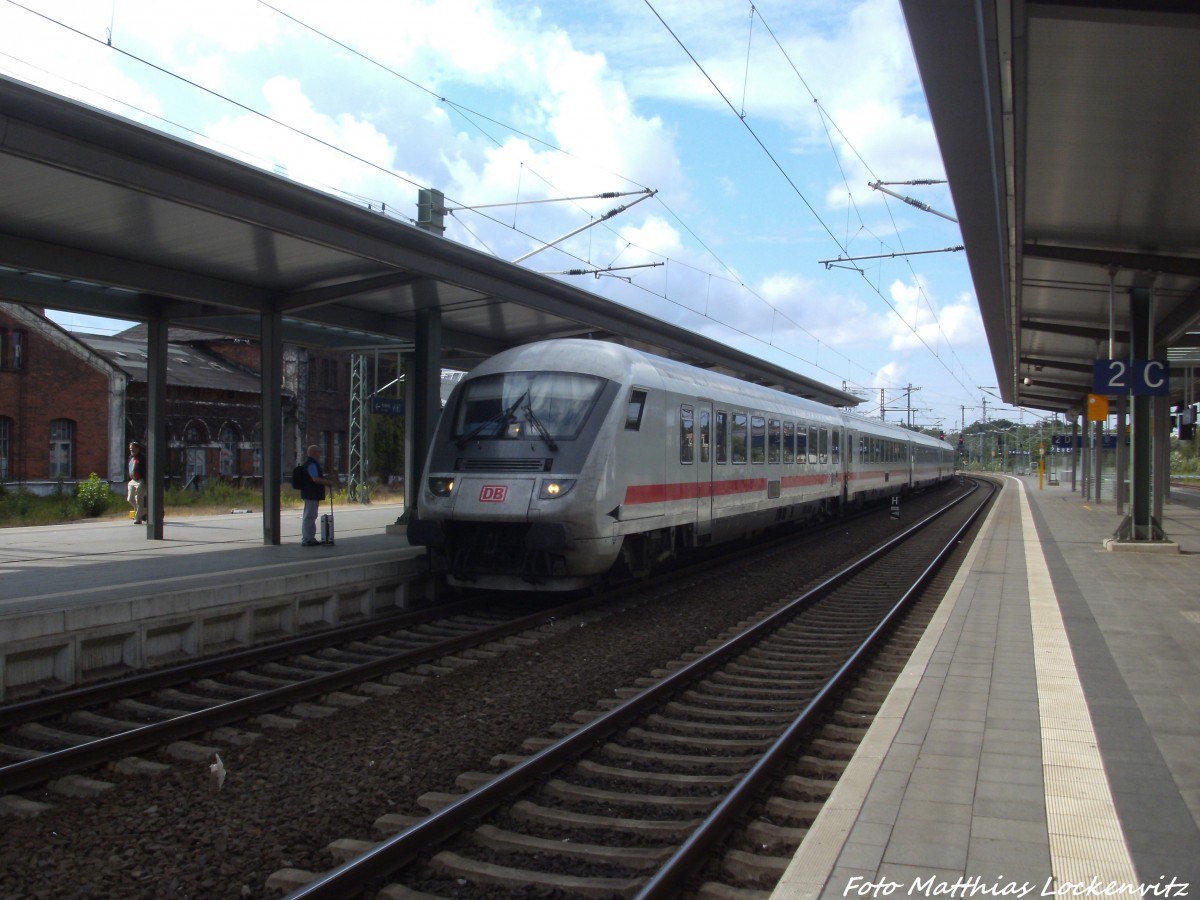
column 327, row 524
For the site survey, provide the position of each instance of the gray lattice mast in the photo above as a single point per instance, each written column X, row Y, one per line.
column 357, row 488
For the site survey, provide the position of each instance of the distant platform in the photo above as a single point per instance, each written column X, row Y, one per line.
column 93, row 599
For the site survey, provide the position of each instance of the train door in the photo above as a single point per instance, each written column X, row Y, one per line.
column 849, row 463
column 704, row 467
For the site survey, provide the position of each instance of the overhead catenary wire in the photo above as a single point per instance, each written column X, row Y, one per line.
column 477, row 119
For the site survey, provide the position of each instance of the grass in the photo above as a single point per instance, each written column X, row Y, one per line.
column 23, row 508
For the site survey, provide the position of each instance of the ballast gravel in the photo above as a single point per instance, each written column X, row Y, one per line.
column 290, row 793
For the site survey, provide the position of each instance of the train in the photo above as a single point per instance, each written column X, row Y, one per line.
column 561, row 464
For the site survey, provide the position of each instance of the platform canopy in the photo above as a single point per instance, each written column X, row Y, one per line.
column 103, row 216
column 1070, row 133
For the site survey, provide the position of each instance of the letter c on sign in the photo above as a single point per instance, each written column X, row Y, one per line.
column 1155, row 376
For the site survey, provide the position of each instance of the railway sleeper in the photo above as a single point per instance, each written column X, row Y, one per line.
column 19, row 754
column 457, row 866
column 672, row 740
column 773, row 837
column 799, row 787
column 689, row 763
column 635, row 859
column 54, row 737
column 714, row 890
column 576, row 793
column 753, row 868
column 707, row 692
column 794, row 812
column 736, row 674
column 818, row 767
column 592, row 769
column 550, row 817
column 222, row 688
column 734, row 713
column 833, row 749
column 732, row 685
column 825, row 653
column 849, row 734
column 765, row 729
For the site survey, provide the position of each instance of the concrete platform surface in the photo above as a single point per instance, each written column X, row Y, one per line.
column 1044, row 739
column 95, row 561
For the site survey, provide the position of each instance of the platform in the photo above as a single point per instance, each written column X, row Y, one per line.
column 1044, row 739
column 91, row 599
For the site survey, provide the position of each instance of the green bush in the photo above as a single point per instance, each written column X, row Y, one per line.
column 93, row 496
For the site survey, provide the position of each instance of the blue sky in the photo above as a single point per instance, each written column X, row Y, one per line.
column 759, row 127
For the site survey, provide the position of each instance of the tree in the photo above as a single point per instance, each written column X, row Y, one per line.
column 387, row 446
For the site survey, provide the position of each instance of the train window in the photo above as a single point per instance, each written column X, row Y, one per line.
column 525, row 406
column 824, row 446
column 758, row 439
column 789, row 442
column 738, row 443
column 705, row 433
column 687, row 435
column 835, row 446
column 633, row 412
column 722, row 434
column 802, row 444
column 773, row 449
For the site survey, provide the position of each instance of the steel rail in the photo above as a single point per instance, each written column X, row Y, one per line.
column 350, row 878
column 669, row 879
column 25, row 774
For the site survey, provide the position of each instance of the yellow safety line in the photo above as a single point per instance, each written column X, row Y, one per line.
column 1087, row 846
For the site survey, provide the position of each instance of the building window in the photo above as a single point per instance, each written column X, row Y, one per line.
column 339, row 444
column 17, row 339
column 228, row 439
column 62, row 439
column 5, row 444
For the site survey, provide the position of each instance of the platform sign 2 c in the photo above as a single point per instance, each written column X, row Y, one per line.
column 1140, row 377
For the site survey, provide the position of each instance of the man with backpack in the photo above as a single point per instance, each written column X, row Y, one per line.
column 312, row 492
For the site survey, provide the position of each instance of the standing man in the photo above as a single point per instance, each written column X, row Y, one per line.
column 312, row 492
column 136, row 493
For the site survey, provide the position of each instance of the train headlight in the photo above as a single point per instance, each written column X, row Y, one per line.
column 554, row 488
column 441, row 487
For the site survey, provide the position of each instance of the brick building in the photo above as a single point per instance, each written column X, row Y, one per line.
column 62, row 405
column 70, row 403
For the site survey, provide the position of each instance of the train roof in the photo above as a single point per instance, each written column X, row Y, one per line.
column 620, row 363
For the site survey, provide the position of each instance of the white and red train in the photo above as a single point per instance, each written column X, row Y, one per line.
column 559, row 462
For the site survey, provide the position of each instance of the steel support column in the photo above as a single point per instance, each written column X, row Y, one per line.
column 423, row 392
column 271, row 330
column 156, row 425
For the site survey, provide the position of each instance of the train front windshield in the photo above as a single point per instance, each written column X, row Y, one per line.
column 552, row 406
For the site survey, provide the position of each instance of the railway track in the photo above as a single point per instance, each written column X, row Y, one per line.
column 49, row 739
column 635, row 798
column 197, row 709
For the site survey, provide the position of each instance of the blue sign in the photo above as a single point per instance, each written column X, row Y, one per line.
column 1140, row 377
column 388, row 406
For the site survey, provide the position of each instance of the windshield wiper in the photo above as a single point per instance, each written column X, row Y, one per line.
column 501, row 417
column 541, row 429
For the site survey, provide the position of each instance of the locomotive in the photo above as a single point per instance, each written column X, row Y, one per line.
column 557, row 464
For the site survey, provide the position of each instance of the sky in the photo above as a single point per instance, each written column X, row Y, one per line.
column 743, row 135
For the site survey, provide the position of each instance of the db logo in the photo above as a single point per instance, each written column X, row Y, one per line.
column 493, row 493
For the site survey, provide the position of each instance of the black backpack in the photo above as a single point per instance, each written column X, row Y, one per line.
column 298, row 476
